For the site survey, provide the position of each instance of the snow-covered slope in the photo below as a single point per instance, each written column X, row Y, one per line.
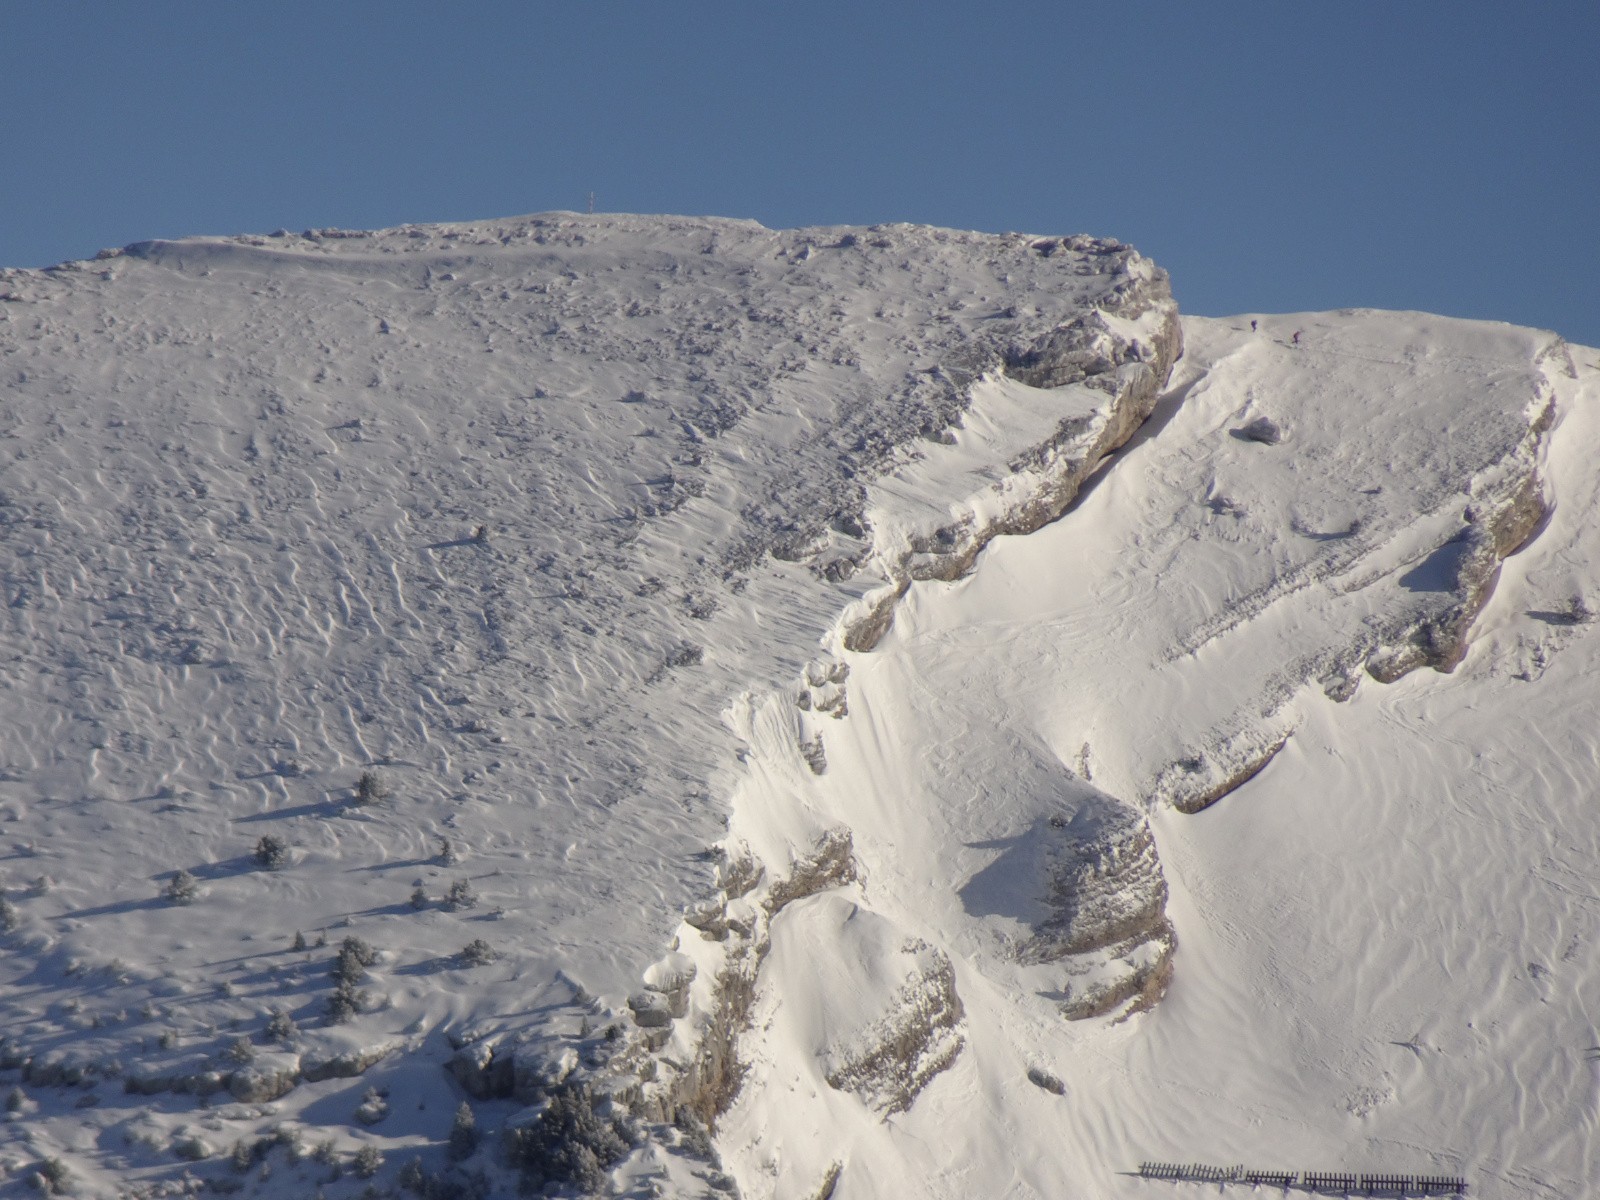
column 745, row 745
column 501, row 518
column 1385, row 936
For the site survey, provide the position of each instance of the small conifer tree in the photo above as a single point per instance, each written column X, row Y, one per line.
column 368, row 1162
column 272, row 853
column 355, row 956
column 370, row 789
column 346, row 1002
column 463, row 1133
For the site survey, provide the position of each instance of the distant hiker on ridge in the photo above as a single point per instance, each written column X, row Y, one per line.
column 1296, row 339
column 1252, row 326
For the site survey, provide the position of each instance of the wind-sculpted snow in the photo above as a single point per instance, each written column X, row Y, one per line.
column 632, row 675
column 1377, row 876
column 392, row 587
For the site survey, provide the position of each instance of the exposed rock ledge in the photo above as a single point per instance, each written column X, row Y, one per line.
column 1394, row 590
column 1087, row 883
column 1100, row 350
column 887, row 1059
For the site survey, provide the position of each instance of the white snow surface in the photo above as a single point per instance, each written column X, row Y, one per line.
column 1386, row 937
column 240, row 487
column 506, row 513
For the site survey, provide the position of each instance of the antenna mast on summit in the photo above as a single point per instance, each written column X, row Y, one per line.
column 591, row 204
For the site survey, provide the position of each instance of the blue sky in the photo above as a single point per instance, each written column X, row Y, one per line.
column 1434, row 154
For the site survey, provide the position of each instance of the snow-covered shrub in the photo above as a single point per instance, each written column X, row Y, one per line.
column 16, row 1100
column 193, row 1148
column 419, row 898
column 695, row 1138
column 241, row 1051
column 281, row 1027
column 183, row 888
column 293, row 1148
column 688, row 654
column 272, row 853
column 373, row 1108
column 478, row 953
column 460, row 895
column 50, row 1177
column 412, row 1177
column 346, row 1002
column 8, row 915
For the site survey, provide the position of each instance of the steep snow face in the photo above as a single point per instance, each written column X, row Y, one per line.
column 1383, row 932
column 501, row 516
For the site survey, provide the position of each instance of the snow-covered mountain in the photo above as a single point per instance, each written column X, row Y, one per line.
column 706, row 700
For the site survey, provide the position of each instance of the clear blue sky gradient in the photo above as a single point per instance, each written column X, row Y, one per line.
column 1432, row 154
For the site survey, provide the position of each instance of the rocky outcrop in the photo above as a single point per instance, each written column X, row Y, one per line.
column 1497, row 527
column 1371, row 590
column 524, row 1066
column 1137, row 987
column 1105, row 897
column 1093, row 349
column 268, row 1077
column 345, row 1064
column 831, row 863
column 483, row 1070
column 1103, row 886
column 706, row 1085
column 888, row 1063
column 1193, row 783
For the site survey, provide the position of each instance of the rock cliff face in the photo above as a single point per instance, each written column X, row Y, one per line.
column 644, row 561
column 1498, row 524
column 1123, row 348
column 1106, row 899
column 884, row 1055
column 504, row 513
